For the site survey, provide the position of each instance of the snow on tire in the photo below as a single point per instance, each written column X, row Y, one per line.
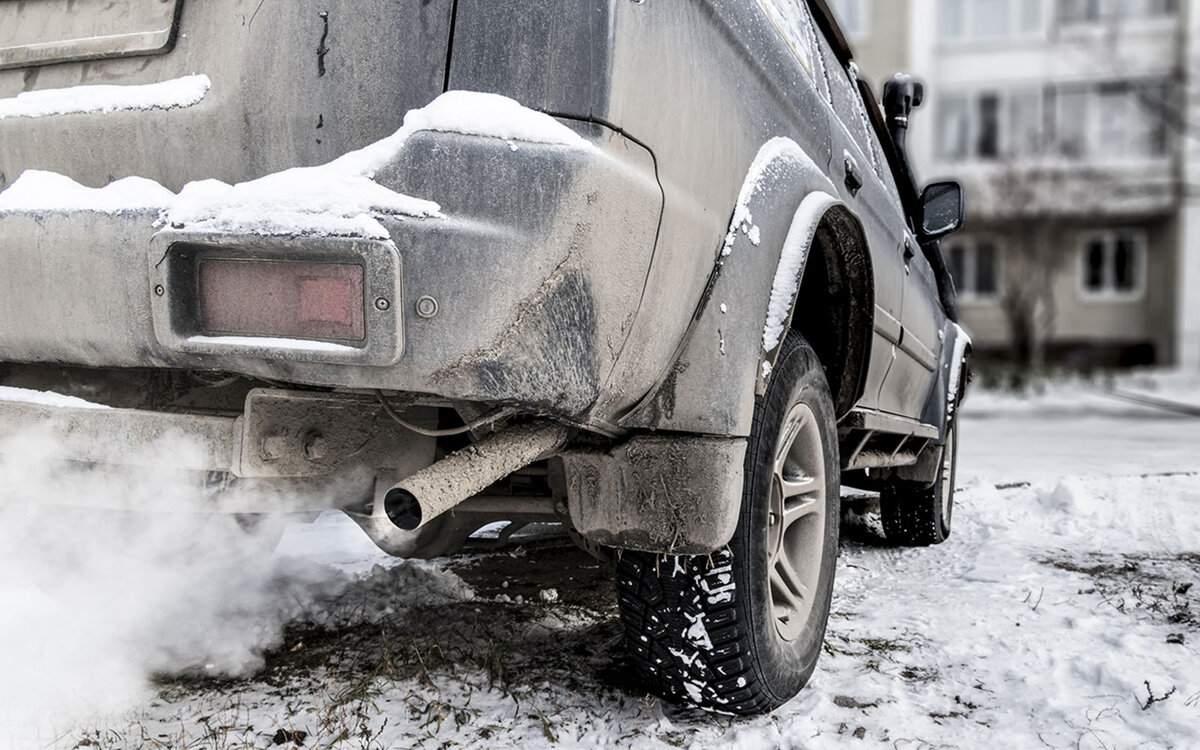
column 739, row 631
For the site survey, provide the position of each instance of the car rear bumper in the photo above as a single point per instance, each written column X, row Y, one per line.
column 527, row 275
column 288, row 450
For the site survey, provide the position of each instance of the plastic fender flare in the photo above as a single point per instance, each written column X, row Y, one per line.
column 944, row 396
column 710, row 385
column 792, row 261
column 946, row 393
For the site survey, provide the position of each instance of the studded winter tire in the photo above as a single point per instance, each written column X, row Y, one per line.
column 740, row 631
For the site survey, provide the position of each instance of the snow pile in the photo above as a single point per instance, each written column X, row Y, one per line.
column 341, row 198
column 179, row 92
column 378, row 594
column 36, row 190
column 324, row 200
column 471, row 113
column 1094, row 396
column 1175, row 385
column 1000, row 638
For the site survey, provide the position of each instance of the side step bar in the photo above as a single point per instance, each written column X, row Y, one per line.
column 873, row 440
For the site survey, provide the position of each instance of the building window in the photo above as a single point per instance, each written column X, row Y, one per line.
column 854, row 16
column 954, row 126
column 991, row 18
column 1085, row 12
column 1112, row 264
column 989, row 124
column 1026, row 122
column 952, row 19
column 987, row 146
column 988, row 20
column 1113, row 120
column 974, row 264
column 1098, row 122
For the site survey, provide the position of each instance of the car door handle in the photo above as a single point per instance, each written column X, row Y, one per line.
column 909, row 252
column 854, row 181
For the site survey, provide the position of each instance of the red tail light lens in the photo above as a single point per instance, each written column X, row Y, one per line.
column 282, row 298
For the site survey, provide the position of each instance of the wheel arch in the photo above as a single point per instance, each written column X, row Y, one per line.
column 787, row 207
column 833, row 304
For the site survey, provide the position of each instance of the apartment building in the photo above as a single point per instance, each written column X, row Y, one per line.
column 1075, row 126
column 879, row 31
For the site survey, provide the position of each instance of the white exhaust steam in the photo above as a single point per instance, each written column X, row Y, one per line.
column 94, row 603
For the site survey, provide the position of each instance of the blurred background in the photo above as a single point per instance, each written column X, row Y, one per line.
column 1075, row 127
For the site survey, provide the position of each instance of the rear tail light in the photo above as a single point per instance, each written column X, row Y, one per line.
column 282, row 298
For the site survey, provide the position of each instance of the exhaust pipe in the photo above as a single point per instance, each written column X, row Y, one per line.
column 425, row 495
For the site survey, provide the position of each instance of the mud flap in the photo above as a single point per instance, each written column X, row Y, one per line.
column 674, row 495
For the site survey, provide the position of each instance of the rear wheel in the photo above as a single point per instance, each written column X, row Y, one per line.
column 740, row 630
column 920, row 516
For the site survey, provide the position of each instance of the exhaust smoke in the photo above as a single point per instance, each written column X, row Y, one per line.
column 94, row 603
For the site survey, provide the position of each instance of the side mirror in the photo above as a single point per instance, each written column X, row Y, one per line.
column 942, row 209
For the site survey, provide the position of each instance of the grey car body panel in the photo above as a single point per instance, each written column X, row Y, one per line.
column 711, row 384
column 730, row 83
column 555, row 57
column 582, row 284
column 269, row 107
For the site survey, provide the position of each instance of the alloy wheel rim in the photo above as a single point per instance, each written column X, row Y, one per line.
column 796, row 522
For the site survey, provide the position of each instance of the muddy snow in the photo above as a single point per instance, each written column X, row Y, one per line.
column 1062, row 613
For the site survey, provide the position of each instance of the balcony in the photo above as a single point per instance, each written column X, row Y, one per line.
column 1118, row 189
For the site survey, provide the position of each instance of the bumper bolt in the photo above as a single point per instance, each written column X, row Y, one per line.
column 315, row 447
column 427, row 307
column 382, row 304
column 273, row 447
column 158, row 290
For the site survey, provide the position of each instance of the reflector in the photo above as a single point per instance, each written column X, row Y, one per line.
column 282, row 298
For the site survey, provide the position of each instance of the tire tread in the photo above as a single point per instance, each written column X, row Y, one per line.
column 725, row 666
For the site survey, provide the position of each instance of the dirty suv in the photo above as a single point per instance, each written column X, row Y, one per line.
column 656, row 271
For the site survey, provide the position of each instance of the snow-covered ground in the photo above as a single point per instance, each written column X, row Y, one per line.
column 1060, row 614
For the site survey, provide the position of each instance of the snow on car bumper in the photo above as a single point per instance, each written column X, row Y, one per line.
column 510, row 277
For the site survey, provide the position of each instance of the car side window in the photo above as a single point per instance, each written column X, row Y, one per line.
column 872, row 138
column 794, row 23
column 882, row 166
column 889, row 179
column 843, row 96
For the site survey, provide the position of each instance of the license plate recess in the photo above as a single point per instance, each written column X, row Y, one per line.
column 40, row 32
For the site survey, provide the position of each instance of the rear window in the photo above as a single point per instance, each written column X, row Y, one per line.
column 795, row 25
